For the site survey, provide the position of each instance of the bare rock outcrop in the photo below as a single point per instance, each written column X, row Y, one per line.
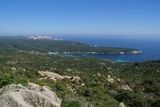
column 126, row 87
column 52, row 75
column 14, row 95
column 121, row 104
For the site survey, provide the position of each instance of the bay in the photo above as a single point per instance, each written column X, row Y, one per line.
column 150, row 47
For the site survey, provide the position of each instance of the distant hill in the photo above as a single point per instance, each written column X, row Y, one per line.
column 61, row 46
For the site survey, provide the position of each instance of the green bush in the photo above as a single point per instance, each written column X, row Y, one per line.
column 71, row 104
column 132, row 99
column 156, row 104
column 6, row 79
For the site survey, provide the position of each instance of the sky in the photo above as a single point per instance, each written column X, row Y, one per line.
column 90, row 17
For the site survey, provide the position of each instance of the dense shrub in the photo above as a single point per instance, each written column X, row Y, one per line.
column 71, row 104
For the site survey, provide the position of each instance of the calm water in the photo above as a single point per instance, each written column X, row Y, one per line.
column 150, row 48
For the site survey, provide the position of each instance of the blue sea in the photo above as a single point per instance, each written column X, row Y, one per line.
column 150, row 47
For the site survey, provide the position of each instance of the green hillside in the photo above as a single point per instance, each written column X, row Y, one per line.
column 92, row 82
